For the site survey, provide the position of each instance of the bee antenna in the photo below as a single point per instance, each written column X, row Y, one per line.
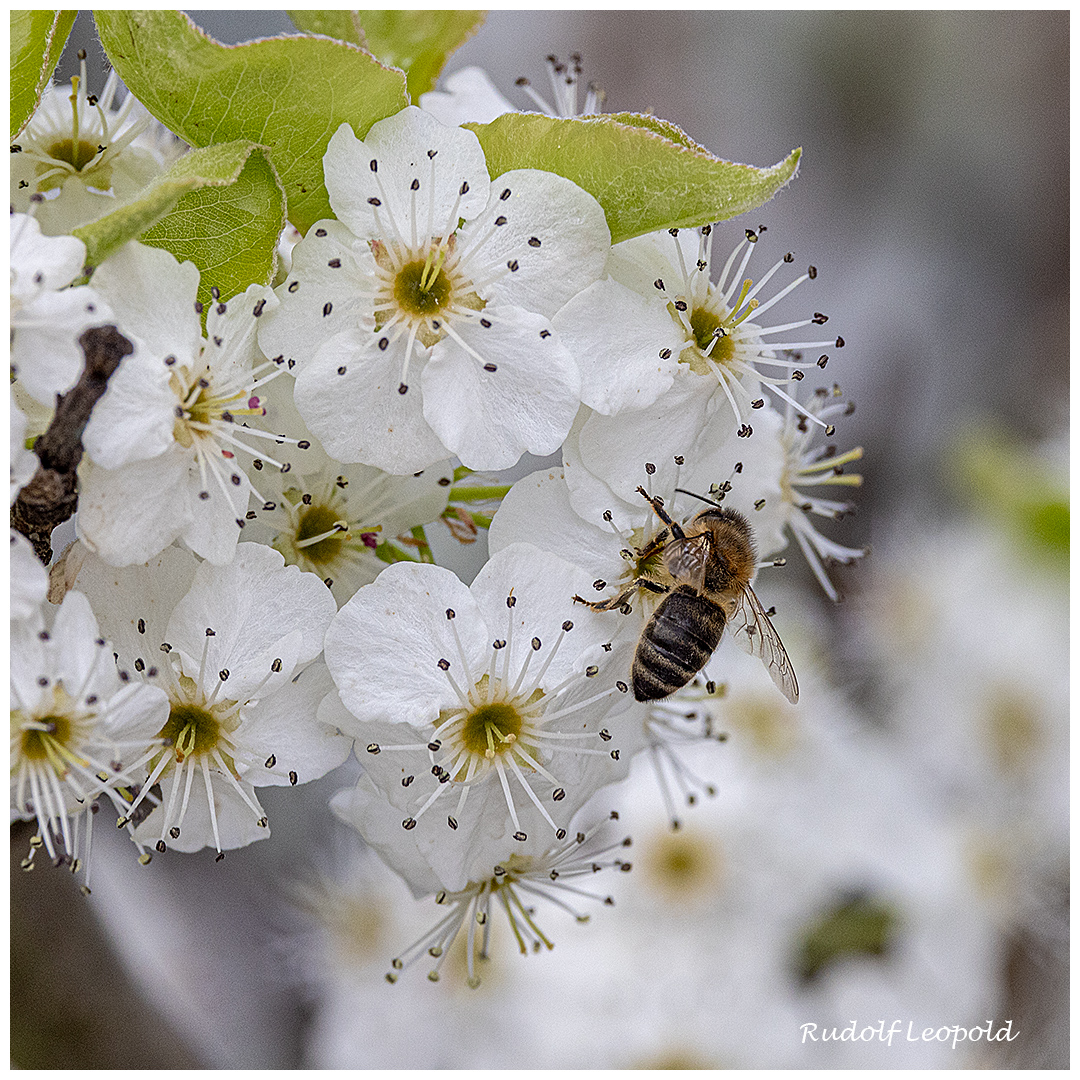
column 694, row 495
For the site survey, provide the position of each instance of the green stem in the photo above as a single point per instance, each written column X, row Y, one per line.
column 478, row 494
column 390, row 554
column 424, row 549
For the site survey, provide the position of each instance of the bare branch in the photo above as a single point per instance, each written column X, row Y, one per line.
column 49, row 499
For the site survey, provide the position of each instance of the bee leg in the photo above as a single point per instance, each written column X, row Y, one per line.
column 658, row 506
column 613, row 603
column 652, row 586
column 657, row 543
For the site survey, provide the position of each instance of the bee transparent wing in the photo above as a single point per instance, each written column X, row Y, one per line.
column 755, row 634
column 685, row 559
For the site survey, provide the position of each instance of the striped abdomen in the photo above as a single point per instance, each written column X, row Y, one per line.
column 676, row 643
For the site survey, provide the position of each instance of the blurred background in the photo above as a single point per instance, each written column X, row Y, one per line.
column 922, row 789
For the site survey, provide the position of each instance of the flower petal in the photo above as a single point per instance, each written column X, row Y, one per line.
column 408, row 146
column 384, row 645
column 366, row 809
column 42, row 262
column 617, row 448
column 252, row 605
column 543, row 587
column 45, row 350
column 29, row 579
column 319, row 299
column 555, row 233
column 133, row 603
column 284, row 724
column 127, row 515
column 214, row 527
column 134, row 418
column 231, row 348
column 466, row 95
column 348, row 396
column 489, row 418
column 153, row 298
column 237, row 825
column 618, row 339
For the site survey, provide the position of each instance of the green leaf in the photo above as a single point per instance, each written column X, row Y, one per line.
column 222, row 207
column 343, row 25
column 856, row 926
column 1009, row 481
column 230, row 232
column 289, row 94
column 37, row 40
column 646, row 173
column 418, row 41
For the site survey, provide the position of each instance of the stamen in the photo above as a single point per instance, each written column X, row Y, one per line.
column 210, row 801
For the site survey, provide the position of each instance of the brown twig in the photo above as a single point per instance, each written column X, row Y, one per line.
column 49, row 499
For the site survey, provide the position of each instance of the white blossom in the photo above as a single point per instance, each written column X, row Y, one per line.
column 76, row 729
column 512, row 885
column 664, row 389
column 29, row 580
column 469, row 95
column 416, row 337
column 485, row 715
column 232, row 647
column 808, row 466
column 86, row 154
column 344, row 522
column 47, row 316
column 172, row 438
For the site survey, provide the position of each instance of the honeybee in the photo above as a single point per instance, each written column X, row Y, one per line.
column 711, row 561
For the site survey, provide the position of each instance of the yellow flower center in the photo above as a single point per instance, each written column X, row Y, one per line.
column 191, row 730
column 78, row 153
column 705, row 324
column 421, row 288
column 196, row 729
column 314, row 521
column 491, row 729
column 38, row 744
column 685, row 867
